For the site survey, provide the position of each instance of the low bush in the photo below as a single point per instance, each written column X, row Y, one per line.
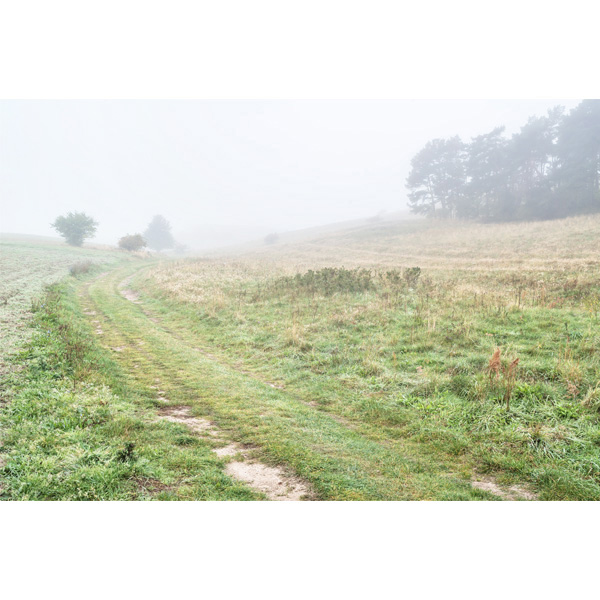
column 271, row 238
column 80, row 268
column 328, row 281
column 132, row 243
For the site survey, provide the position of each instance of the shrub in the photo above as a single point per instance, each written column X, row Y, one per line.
column 80, row 268
column 132, row 243
column 411, row 275
column 328, row 281
column 392, row 277
column 272, row 238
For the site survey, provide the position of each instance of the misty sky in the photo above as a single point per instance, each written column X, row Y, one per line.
column 238, row 166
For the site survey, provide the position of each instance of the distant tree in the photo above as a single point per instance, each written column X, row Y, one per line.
column 551, row 168
column 271, row 238
column 158, row 234
column 437, row 178
column 132, row 242
column 531, row 164
column 487, row 175
column 75, row 227
column 578, row 150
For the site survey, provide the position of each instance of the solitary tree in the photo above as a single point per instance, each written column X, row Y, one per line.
column 75, row 227
column 132, row 242
column 158, row 234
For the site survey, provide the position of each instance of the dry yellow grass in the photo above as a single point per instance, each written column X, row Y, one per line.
column 571, row 242
column 499, row 264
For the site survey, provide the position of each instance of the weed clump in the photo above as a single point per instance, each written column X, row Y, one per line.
column 591, row 399
column 80, row 268
column 507, row 372
column 339, row 280
column 126, row 453
column 411, row 276
column 328, row 281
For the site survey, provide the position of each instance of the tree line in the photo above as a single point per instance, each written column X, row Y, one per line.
column 549, row 169
column 75, row 227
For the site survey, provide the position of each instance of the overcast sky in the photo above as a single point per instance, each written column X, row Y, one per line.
column 254, row 166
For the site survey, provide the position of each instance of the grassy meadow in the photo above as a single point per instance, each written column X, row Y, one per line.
column 395, row 330
column 389, row 361
column 28, row 265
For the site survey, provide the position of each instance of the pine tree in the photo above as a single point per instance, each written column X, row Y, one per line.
column 579, row 155
column 437, row 178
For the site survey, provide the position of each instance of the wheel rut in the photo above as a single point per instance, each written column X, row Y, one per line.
column 275, row 482
column 134, row 297
column 178, row 399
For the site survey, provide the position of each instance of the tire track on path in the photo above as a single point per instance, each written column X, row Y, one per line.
column 274, row 482
column 256, row 419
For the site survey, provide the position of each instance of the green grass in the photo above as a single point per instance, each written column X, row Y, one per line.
column 409, row 361
column 341, row 461
column 76, row 429
column 27, row 266
column 335, row 358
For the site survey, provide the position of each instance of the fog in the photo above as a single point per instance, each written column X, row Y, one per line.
column 223, row 171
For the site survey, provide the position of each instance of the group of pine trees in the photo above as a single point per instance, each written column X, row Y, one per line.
column 550, row 169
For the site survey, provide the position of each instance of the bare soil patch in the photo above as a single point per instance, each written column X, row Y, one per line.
column 230, row 450
column 162, row 398
column 272, row 481
column 126, row 292
column 182, row 414
column 151, row 485
column 513, row 492
column 130, row 295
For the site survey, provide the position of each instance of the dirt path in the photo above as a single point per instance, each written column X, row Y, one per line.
column 274, row 482
column 276, row 443
column 128, row 293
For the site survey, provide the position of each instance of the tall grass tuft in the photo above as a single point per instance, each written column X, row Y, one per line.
column 506, row 372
